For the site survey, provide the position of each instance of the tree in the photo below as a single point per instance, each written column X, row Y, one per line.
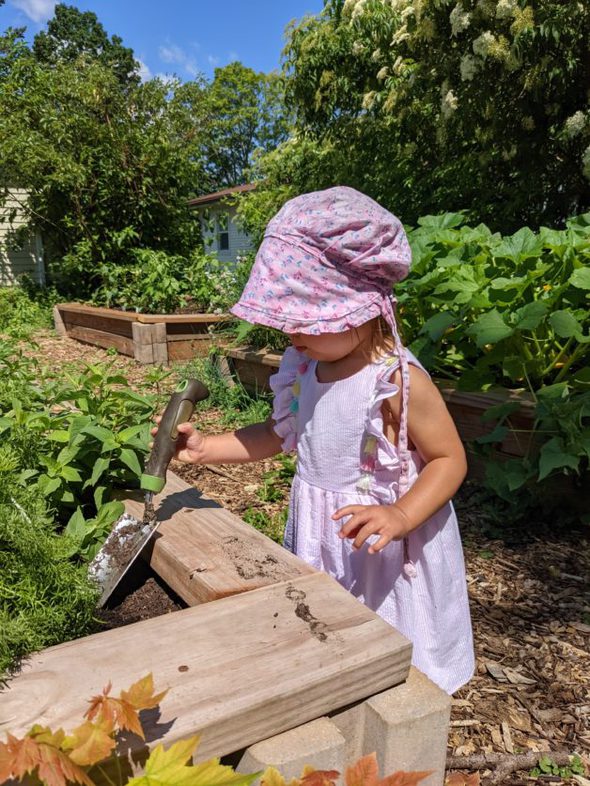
column 475, row 105
column 108, row 167
column 245, row 114
column 72, row 34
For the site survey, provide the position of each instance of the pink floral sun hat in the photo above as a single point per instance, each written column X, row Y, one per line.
column 327, row 263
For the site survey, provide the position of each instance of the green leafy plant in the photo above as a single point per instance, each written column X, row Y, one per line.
column 487, row 310
column 547, row 766
column 25, row 308
column 72, row 437
column 45, row 598
column 56, row 758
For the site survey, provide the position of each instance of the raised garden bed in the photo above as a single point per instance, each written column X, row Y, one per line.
column 253, row 606
column 255, row 367
column 149, row 338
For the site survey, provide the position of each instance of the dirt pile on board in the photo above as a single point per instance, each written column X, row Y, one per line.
column 252, row 562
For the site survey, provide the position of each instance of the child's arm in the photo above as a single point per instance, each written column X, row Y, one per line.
column 433, row 433
column 251, row 443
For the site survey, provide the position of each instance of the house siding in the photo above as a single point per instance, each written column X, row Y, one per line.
column 239, row 242
column 27, row 259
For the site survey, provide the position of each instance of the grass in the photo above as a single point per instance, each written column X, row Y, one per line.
column 238, row 407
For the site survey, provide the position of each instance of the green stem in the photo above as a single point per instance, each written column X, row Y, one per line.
column 566, row 366
column 557, row 359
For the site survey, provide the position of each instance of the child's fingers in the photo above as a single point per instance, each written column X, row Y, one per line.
column 157, row 419
column 185, row 428
column 381, row 543
column 349, row 510
column 369, row 529
column 154, row 431
column 354, row 523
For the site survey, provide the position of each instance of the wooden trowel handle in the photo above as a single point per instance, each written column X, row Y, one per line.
column 179, row 410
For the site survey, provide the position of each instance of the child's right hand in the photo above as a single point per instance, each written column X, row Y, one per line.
column 189, row 445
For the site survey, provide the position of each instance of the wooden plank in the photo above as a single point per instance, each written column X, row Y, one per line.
column 100, row 338
column 183, row 318
column 185, row 350
column 108, row 324
column 272, row 359
column 80, row 308
column 204, row 552
column 239, row 670
column 205, row 336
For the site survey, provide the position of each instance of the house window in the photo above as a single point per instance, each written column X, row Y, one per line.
column 223, row 241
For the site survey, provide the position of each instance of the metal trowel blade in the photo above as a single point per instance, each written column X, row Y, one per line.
column 120, row 550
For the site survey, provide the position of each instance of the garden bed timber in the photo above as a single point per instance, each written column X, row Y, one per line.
column 226, row 668
column 254, row 368
column 148, row 338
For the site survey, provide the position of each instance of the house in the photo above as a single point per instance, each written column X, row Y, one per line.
column 221, row 233
column 18, row 256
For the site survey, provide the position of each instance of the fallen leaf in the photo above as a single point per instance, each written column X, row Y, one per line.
column 496, row 671
column 516, row 678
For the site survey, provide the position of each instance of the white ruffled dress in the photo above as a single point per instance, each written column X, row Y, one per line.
column 343, row 458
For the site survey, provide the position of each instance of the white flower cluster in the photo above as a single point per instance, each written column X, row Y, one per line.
column 506, row 9
column 483, row 43
column 382, row 73
column 586, row 163
column 460, row 19
column 575, row 124
column 469, row 66
column 369, row 99
column 400, row 35
column 449, row 104
column 358, row 48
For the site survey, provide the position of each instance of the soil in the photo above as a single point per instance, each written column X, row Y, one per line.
column 529, row 595
column 141, row 595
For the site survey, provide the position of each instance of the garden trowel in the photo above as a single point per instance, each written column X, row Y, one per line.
column 128, row 536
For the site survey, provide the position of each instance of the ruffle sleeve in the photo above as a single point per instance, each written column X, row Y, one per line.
column 378, row 451
column 284, row 385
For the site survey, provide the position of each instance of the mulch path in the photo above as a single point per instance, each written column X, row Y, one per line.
column 530, row 604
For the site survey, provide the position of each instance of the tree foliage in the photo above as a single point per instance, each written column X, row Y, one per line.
column 108, row 167
column 72, row 34
column 431, row 105
column 245, row 114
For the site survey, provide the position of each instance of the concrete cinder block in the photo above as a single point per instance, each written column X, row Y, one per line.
column 58, row 322
column 318, row 743
column 160, row 352
column 142, row 342
column 350, row 722
column 407, row 726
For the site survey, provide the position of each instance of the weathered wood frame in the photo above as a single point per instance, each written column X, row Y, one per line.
column 225, row 662
column 149, row 338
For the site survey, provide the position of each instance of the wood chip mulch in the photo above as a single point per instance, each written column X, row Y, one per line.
column 530, row 604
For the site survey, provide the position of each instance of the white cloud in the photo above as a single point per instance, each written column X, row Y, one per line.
column 212, row 60
column 144, row 71
column 171, row 53
column 37, row 10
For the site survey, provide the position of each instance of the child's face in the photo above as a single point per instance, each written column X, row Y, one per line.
column 330, row 347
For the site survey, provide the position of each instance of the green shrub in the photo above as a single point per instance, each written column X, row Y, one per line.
column 44, row 597
column 157, row 282
column 25, row 308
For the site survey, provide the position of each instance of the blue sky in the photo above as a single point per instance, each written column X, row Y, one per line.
column 182, row 37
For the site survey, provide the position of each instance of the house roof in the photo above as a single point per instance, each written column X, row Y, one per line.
column 217, row 196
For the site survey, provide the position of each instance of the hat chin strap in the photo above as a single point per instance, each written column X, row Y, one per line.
column 404, row 454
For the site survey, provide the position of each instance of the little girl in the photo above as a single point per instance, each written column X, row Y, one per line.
column 378, row 455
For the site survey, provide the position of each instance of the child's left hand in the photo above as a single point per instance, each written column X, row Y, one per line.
column 388, row 521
